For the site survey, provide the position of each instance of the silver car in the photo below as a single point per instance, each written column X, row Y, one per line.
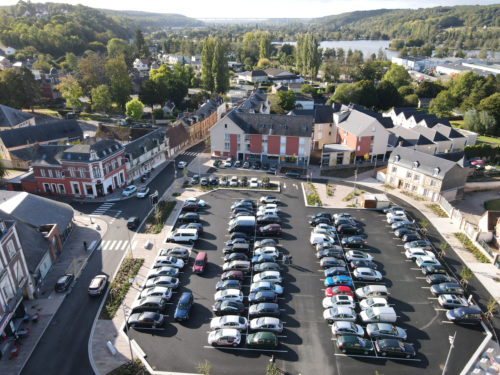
column 266, row 324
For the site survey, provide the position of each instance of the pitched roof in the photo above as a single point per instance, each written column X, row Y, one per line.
column 448, row 131
column 258, row 123
column 41, row 154
column 27, row 207
column 256, row 73
column 47, row 132
column 10, row 117
column 428, row 164
column 410, row 136
column 323, row 114
column 82, row 152
column 147, row 142
column 356, row 121
column 278, row 73
column 254, row 102
column 177, row 135
column 430, row 133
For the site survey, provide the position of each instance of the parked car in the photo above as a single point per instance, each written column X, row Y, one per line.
column 363, row 263
column 265, row 242
column 170, row 261
column 403, row 224
column 385, row 331
column 204, row 181
column 424, row 244
column 400, row 232
column 435, row 269
column 447, row 288
column 227, row 284
column 133, row 223
column 338, row 280
column 373, row 302
column 266, row 324
column 183, row 164
column 197, row 226
column 195, row 180
column 162, row 271
column 354, row 344
column 178, row 252
column 328, row 262
column 262, row 340
column 452, row 301
column 228, row 308
column 336, row 271
column 367, row 274
column 352, row 255
column 260, row 286
column 270, row 230
column 190, row 207
column 354, row 242
column 268, row 219
column 408, row 237
column 268, row 199
column 348, row 229
column 129, row 190
column 340, row 328
column 319, row 220
column 63, row 282
column 229, row 321
column 264, row 258
column 199, row 202
column 269, row 250
column 213, row 181
column 147, row 319
column 234, row 295
column 224, row 337
column 339, row 300
column 264, row 296
column 338, row 290
column 239, row 265
column 266, row 266
column 235, row 256
column 465, row 315
column 330, row 252
column 233, row 182
column 339, row 313
column 414, row 252
column 369, row 291
column 394, row 348
column 183, row 306
column 150, row 303
column 217, row 163
column 246, row 165
column 97, row 285
column 142, row 192
column 167, row 281
column 438, row 278
column 423, row 261
column 237, row 164
column 158, row 291
column 254, row 182
column 232, row 275
column 189, row 217
column 264, row 309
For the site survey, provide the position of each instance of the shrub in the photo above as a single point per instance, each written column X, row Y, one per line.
column 472, row 248
column 436, row 208
column 154, row 222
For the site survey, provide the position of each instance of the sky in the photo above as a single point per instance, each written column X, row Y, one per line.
column 259, row 8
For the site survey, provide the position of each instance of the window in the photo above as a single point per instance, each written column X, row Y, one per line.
column 371, row 148
column 329, row 133
column 72, row 171
column 247, row 137
column 320, row 127
column 407, row 186
column 433, row 183
column 226, row 137
column 113, row 164
column 226, row 146
column 82, row 172
column 391, row 180
column 46, row 188
column 283, row 140
column 49, row 171
column 408, row 174
column 62, row 190
column 359, row 148
column 414, row 188
column 302, row 141
column 426, row 192
column 394, row 169
column 238, row 148
column 301, row 151
column 58, row 174
column 42, row 172
column 106, row 167
column 96, row 171
column 225, row 126
column 264, row 149
column 283, row 150
column 264, row 139
column 416, row 177
column 11, row 248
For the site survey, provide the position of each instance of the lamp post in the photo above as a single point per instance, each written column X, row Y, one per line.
column 452, row 342
column 130, row 244
column 126, row 331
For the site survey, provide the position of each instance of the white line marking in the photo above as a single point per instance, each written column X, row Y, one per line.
column 106, row 245
column 249, row 349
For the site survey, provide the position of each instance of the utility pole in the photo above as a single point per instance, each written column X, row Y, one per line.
column 452, row 341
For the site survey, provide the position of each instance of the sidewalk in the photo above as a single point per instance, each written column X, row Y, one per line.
column 112, row 330
column 73, row 259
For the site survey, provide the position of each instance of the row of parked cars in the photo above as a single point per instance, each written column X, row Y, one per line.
column 449, row 293
column 245, row 258
column 147, row 311
column 233, row 181
column 345, row 263
column 229, row 163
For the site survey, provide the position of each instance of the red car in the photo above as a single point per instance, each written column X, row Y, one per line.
column 478, row 162
column 270, row 230
column 336, row 290
column 190, row 206
column 232, row 275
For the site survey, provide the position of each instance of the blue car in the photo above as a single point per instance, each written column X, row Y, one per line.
column 264, row 258
column 338, row 280
column 465, row 315
column 183, row 306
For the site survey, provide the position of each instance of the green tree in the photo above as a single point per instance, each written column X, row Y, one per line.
column 491, row 104
column 465, row 274
column 428, row 89
column 43, row 63
column 152, row 93
column 30, row 88
column 141, row 47
column 119, row 80
column 207, row 59
column 118, row 47
column 134, row 109
column 174, row 84
column 220, row 70
column 443, row 104
column 265, row 47
column 101, row 99
column 480, row 122
column 91, row 72
column 286, row 100
column 388, row 96
column 308, row 56
column 70, row 90
column 71, row 61
column 397, row 75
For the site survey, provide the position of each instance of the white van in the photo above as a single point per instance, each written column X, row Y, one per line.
column 182, row 235
column 378, row 315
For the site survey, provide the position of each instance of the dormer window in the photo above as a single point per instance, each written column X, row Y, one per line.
column 397, row 157
column 415, row 164
column 93, row 155
column 436, row 171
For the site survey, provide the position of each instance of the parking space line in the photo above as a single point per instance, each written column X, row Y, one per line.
column 425, row 287
column 437, row 309
column 446, row 321
column 249, row 349
column 432, row 298
column 421, row 277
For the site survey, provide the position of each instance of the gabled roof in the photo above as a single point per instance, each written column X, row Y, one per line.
column 177, row 135
column 323, row 114
column 145, row 143
column 430, row 133
column 303, row 97
column 254, row 102
column 422, row 162
column 409, row 137
column 448, row 131
column 255, row 73
column 278, row 73
column 258, row 123
column 41, row 133
column 356, row 121
column 41, row 155
column 83, row 153
column 10, row 117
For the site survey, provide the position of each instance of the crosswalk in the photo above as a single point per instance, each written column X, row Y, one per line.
column 102, row 209
column 190, row 153
column 115, row 245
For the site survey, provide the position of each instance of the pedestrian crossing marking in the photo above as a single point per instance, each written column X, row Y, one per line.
column 102, row 209
column 190, row 153
column 116, row 245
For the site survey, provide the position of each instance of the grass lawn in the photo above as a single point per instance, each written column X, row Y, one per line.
column 493, row 205
column 344, row 172
column 490, row 140
column 457, row 123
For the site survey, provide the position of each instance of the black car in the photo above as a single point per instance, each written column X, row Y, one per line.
column 437, row 268
column 146, row 319
column 328, row 262
column 292, row 174
column 228, row 308
column 150, row 303
column 354, row 344
column 354, row 242
column 336, row 271
column 264, row 309
column 268, row 219
column 344, row 220
column 364, row 264
column 64, row 282
column 232, row 249
column 322, row 214
column 394, row 348
column 217, row 163
column 213, row 180
column 262, row 340
column 183, row 306
column 266, row 266
column 239, row 235
column 319, row 220
column 189, row 217
column 133, row 223
column 413, row 236
column 348, row 229
column 246, row 209
column 400, row 232
column 438, row 278
column 262, row 296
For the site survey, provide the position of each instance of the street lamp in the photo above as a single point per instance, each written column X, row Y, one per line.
column 130, row 244
column 126, row 331
column 452, row 342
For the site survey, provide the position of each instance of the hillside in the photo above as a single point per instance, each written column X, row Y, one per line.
column 147, row 21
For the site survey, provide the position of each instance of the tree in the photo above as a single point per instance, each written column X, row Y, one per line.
column 443, row 248
column 91, row 72
column 220, row 69
column 207, row 59
column 118, row 47
column 151, row 94
column 443, row 103
column 70, row 90
column 120, row 83
column 491, row 104
column 388, row 96
column 71, row 61
column 30, row 88
column 308, row 56
column 205, row 367
column 428, row 89
column 101, row 99
column 3, row 171
column 465, row 274
column 286, row 100
column 134, row 109
column 265, row 46
column 480, row 122
column 397, row 75
column 491, row 307
column 263, row 63
column 424, row 225
column 140, row 45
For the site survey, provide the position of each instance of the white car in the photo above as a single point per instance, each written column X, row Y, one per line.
column 142, row 192
column 271, row 276
column 199, row 202
column 343, row 215
column 373, row 302
column 181, row 165
column 163, row 271
column 365, row 273
column 397, row 216
column 234, row 295
column 158, row 291
column 229, row 321
column 260, row 286
column 268, row 250
column 347, row 328
column 339, row 313
column 224, row 337
column 268, row 199
column 166, row 281
column 234, row 181
column 266, row 324
column 129, row 190
column 254, row 182
column 338, row 300
column 414, row 252
column 452, row 301
column 357, row 255
column 425, row 260
column 269, row 206
column 168, row 261
column 324, row 226
column 266, row 212
column 317, row 238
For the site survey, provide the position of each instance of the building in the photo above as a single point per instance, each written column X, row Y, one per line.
column 257, row 102
column 141, row 65
column 304, row 101
column 49, row 133
column 48, row 83
column 178, row 137
column 15, row 282
column 267, row 138
column 81, row 170
column 334, row 154
column 325, row 131
column 282, row 76
column 11, row 118
column 255, row 76
column 145, row 153
column 427, row 175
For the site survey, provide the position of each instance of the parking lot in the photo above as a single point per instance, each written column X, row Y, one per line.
column 306, row 346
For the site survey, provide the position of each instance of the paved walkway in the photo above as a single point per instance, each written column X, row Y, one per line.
column 73, row 259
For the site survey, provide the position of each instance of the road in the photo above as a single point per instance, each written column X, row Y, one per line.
column 63, row 349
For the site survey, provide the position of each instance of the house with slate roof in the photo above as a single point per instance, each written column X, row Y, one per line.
column 325, row 131
column 427, row 175
column 267, row 138
column 11, row 118
column 177, row 138
column 145, row 153
column 255, row 76
column 257, row 102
